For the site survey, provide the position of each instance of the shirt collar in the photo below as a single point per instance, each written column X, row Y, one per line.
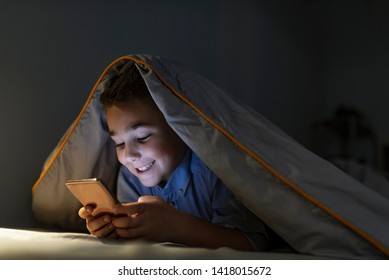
column 179, row 180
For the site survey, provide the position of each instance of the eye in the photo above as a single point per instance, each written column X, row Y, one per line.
column 119, row 146
column 143, row 139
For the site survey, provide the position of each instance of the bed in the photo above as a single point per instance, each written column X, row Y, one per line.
column 38, row 244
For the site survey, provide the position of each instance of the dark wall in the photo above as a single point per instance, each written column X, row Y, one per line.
column 357, row 51
column 278, row 57
column 51, row 54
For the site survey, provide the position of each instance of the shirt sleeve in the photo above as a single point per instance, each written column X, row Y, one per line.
column 230, row 212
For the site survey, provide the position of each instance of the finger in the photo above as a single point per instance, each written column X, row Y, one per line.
column 86, row 211
column 105, row 231
column 94, row 224
column 126, row 221
column 133, row 233
column 82, row 213
column 127, row 208
column 149, row 198
column 113, row 235
column 89, row 209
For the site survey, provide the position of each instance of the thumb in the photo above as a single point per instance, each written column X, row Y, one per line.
column 126, row 208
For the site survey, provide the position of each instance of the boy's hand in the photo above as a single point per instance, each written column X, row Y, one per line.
column 155, row 220
column 99, row 226
column 151, row 218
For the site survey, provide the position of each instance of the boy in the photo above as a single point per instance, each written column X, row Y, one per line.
column 178, row 198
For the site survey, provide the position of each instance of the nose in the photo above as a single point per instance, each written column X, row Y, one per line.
column 132, row 153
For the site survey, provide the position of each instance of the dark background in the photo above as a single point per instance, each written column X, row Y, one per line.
column 292, row 61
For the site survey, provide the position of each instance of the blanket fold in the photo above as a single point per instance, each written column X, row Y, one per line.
column 314, row 206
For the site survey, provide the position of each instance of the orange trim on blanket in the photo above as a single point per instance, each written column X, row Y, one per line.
column 267, row 166
column 65, row 139
column 224, row 132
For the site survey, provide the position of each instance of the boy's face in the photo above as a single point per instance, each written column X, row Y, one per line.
column 145, row 143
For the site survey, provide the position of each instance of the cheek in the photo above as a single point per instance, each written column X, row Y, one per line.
column 168, row 154
column 158, row 150
column 120, row 156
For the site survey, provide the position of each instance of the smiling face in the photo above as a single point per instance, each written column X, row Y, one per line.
column 145, row 144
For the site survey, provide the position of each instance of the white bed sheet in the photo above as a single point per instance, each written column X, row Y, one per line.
column 38, row 244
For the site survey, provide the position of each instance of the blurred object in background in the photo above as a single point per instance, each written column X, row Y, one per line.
column 348, row 135
column 348, row 140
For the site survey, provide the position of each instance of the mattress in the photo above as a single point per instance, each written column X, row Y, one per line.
column 35, row 244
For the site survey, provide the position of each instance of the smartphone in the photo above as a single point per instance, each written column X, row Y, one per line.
column 94, row 193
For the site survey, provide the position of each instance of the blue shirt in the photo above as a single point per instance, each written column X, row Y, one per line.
column 193, row 188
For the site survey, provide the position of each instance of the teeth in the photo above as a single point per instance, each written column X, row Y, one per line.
column 146, row 167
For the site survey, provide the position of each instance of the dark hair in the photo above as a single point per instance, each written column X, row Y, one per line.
column 127, row 87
